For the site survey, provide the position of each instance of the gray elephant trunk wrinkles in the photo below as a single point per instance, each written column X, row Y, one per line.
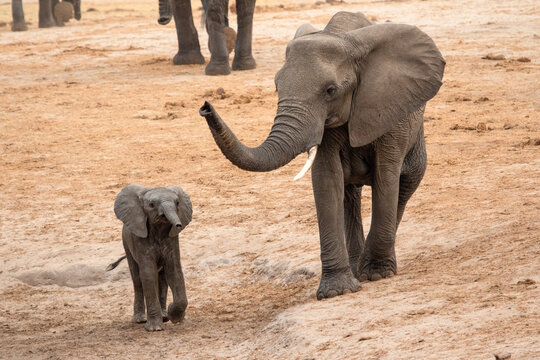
column 285, row 141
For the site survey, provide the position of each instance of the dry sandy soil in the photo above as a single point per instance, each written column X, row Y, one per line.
column 96, row 105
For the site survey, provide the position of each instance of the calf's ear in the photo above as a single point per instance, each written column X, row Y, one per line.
column 128, row 208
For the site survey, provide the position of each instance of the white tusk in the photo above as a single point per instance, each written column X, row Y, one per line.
column 311, row 157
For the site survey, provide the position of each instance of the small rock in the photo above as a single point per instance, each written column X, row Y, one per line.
column 242, row 99
column 507, row 126
column 462, row 98
column 523, row 59
column 526, row 282
column 481, row 126
column 503, row 356
column 481, row 99
column 91, row 9
column 491, row 56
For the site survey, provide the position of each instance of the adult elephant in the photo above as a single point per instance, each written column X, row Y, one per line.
column 47, row 17
column 189, row 51
column 353, row 95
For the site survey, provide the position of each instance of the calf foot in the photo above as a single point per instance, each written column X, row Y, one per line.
column 188, row 58
column 244, row 63
column 376, row 269
column 339, row 283
column 177, row 312
column 154, row 325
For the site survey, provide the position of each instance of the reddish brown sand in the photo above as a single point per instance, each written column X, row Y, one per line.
column 96, row 105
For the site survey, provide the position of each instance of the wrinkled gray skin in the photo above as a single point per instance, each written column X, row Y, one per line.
column 46, row 14
column 152, row 219
column 189, row 51
column 358, row 91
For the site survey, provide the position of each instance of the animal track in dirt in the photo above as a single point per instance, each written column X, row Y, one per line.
column 72, row 276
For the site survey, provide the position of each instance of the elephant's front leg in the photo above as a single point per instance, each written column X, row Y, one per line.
column 379, row 258
column 354, row 232
column 149, row 278
column 46, row 18
column 243, row 57
column 328, row 189
column 189, row 50
column 139, row 315
column 163, row 289
column 175, row 279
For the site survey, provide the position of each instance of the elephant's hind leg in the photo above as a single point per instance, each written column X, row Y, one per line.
column 163, row 289
column 139, row 313
column 354, row 232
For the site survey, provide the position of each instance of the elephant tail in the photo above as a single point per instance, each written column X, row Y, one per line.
column 115, row 264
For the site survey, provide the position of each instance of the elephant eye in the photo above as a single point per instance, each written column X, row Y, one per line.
column 331, row 90
column 151, row 205
column 177, row 203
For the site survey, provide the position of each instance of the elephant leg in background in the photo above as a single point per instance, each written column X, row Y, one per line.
column 243, row 57
column 328, row 189
column 139, row 312
column 149, row 278
column 163, row 289
column 217, row 41
column 175, row 278
column 17, row 14
column 379, row 257
column 46, row 18
column 57, row 21
column 354, row 232
column 189, row 50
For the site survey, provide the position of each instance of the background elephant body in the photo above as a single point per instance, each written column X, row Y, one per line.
column 47, row 14
column 189, row 51
column 353, row 94
column 152, row 219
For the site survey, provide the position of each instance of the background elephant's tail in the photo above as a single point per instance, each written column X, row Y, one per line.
column 115, row 264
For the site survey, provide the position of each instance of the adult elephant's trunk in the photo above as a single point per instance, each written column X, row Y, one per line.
column 290, row 136
column 165, row 12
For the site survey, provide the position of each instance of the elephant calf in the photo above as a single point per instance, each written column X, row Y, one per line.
column 153, row 218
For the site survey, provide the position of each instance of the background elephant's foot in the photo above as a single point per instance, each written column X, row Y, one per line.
column 376, row 269
column 337, row 284
column 176, row 312
column 154, row 324
column 19, row 26
column 217, row 67
column 193, row 57
column 244, row 63
column 139, row 318
column 46, row 23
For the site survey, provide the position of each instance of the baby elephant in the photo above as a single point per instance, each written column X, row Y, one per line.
column 153, row 218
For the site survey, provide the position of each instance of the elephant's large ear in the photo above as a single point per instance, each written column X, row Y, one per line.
column 344, row 21
column 305, row 29
column 400, row 68
column 128, row 208
column 184, row 211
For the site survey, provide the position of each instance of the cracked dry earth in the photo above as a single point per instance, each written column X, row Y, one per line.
column 96, row 105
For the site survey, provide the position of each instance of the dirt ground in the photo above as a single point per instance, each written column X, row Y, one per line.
column 96, row 105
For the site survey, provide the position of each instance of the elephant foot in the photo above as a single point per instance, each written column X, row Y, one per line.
column 20, row 26
column 139, row 318
column 154, row 325
column 177, row 312
column 374, row 270
column 188, row 58
column 164, row 20
column 335, row 284
column 244, row 63
column 218, row 68
column 47, row 23
column 164, row 315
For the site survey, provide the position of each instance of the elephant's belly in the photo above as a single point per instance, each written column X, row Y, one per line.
column 356, row 168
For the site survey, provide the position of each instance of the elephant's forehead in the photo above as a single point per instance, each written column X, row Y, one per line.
column 160, row 194
column 319, row 47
